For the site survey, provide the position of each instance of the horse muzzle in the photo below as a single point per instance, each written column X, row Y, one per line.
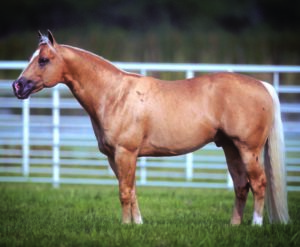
column 22, row 88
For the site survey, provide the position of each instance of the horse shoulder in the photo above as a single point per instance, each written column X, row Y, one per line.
column 123, row 118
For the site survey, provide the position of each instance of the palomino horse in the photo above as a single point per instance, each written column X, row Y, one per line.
column 134, row 115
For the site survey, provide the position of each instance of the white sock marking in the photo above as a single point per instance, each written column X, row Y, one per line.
column 257, row 219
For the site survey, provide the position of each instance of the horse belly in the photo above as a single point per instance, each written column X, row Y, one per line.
column 178, row 135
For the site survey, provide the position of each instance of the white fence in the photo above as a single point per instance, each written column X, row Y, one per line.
column 49, row 138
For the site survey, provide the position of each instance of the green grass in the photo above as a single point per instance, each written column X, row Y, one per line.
column 38, row 215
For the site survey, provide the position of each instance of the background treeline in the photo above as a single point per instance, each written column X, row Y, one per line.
column 233, row 15
column 200, row 31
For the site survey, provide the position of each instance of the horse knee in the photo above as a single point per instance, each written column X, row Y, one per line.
column 125, row 196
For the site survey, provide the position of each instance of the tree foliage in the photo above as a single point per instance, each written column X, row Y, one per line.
column 232, row 15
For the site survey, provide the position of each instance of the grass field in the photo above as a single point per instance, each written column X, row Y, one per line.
column 38, row 215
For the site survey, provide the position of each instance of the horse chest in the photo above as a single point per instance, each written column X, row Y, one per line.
column 104, row 146
column 104, row 143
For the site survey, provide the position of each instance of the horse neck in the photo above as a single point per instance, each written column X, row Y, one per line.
column 90, row 77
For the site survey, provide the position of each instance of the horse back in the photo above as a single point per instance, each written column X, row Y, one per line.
column 185, row 115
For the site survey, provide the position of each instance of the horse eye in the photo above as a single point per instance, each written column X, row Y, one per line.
column 43, row 61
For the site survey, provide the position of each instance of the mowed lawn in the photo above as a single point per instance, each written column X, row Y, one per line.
column 81, row 215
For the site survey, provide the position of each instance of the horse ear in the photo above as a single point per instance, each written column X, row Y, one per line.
column 51, row 38
column 40, row 35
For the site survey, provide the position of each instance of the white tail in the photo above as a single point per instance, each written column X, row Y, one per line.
column 274, row 159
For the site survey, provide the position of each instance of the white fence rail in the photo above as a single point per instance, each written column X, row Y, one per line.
column 49, row 138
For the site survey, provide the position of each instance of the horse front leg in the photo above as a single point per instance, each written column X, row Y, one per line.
column 124, row 165
column 135, row 211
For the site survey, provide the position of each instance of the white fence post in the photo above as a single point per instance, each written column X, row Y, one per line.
column 276, row 81
column 189, row 166
column 56, row 143
column 189, row 158
column 229, row 178
column 229, row 181
column 143, row 161
column 25, row 141
column 143, row 171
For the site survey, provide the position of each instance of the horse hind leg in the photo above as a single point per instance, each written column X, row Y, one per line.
column 239, row 176
column 257, row 179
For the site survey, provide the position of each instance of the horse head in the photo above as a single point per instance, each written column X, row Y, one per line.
column 44, row 70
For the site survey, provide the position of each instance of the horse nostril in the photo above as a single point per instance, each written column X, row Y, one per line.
column 19, row 86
